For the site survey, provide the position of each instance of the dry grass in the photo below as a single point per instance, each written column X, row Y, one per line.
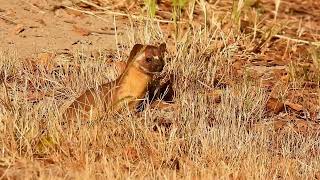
column 200, row 138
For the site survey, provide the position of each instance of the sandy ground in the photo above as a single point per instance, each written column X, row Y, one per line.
column 28, row 28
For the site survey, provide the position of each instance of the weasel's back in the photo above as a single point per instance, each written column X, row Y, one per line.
column 91, row 103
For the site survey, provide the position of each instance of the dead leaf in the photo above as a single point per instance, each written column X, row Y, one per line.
column 164, row 14
column 294, row 106
column 215, row 95
column 279, row 124
column 45, row 145
column 309, row 84
column 48, row 160
column 162, row 124
column 41, row 21
column 131, row 153
column 30, row 65
column 81, row 31
column 268, row 126
column 238, row 65
column 274, row 105
column 245, row 26
column 304, row 126
column 287, row 124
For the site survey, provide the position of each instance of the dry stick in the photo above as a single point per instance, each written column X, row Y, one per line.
column 101, row 32
column 6, row 101
column 298, row 40
column 87, row 12
column 94, row 5
column 120, row 14
column 314, row 43
column 116, row 35
column 205, row 85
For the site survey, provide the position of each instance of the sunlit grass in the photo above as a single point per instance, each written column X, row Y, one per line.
column 199, row 138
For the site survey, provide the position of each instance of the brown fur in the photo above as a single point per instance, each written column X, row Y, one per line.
column 128, row 89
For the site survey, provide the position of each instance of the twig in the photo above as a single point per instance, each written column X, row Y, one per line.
column 94, row 5
column 87, row 12
column 101, row 32
column 314, row 43
column 116, row 35
column 120, row 14
column 6, row 101
column 298, row 40
column 205, row 85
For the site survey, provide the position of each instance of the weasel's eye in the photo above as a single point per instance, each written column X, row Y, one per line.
column 149, row 59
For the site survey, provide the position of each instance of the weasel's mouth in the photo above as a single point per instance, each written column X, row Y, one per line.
column 160, row 68
column 147, row 71
column 155, row 70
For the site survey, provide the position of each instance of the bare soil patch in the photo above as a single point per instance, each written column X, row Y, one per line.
column 31, row 27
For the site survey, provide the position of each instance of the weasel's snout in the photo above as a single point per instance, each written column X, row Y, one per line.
column 160, row 64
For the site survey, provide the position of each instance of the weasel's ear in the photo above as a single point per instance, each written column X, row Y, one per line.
column 163, row 48
column 136, row 48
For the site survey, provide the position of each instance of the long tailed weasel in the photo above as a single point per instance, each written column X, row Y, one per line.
column 130, row 88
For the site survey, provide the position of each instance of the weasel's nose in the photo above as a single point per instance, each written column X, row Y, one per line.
column 161, row 64
column 156, row 58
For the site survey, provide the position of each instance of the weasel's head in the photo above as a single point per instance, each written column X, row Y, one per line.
column 148, row 58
